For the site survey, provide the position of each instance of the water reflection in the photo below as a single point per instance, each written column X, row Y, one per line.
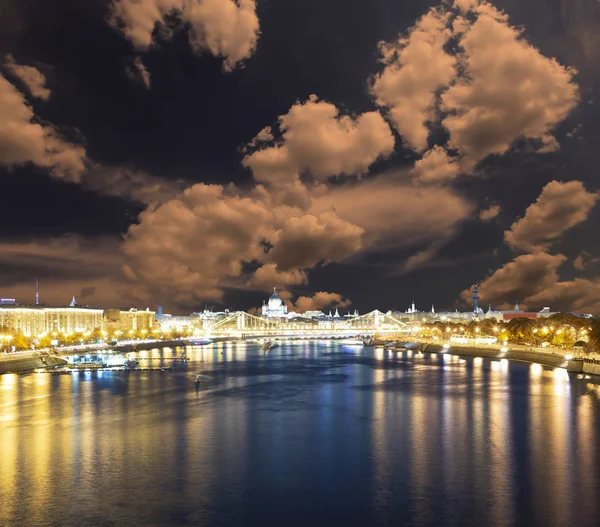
column 310, row 433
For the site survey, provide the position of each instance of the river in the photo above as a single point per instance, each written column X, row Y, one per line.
column 309, row 434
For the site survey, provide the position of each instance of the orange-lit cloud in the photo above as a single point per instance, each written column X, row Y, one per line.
column 416, row 67
column 317, row 140
column 33, row 78
column 225, row 28
column 559, row 207
column 492, row 90
column 24, row 140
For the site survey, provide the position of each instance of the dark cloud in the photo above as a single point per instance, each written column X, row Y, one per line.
column 66, row 266
column 136, row 70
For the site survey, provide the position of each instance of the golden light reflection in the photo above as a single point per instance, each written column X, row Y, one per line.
column 8, row 380
column 586, row 451
column 561, row 383
column 381, row 469
column 535, row 370
column 423, row 455
column 550, row 444
column 40, row 463
column 500, row 448
column 10, row 446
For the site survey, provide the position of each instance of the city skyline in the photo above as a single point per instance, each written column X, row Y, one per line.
column 271, row 306
column 334, row 173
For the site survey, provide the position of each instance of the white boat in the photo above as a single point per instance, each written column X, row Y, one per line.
column 23, row 361
column 351, row 342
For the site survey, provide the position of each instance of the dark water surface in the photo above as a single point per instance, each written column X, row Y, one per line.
column 312, row 434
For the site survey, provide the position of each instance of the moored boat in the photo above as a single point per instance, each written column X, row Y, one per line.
column 351, row 342
column 25, row 361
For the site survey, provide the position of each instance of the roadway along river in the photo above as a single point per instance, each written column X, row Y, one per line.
column 309, row 434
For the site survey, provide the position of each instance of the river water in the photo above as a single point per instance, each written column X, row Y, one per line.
column 310, row 434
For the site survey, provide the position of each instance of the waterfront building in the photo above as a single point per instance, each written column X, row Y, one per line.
column 37, row 320
column 517, row 312
column 28, row 321
column 129, row 320
column 275, row 307
column 189, row 323
column 72, row 319
column 183, row 324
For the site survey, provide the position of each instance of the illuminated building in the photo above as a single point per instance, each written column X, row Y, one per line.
column 72, row 319
column 186, row 323
column 33, row 321
column 129, row 320
column 27, row 321
column 275, row 306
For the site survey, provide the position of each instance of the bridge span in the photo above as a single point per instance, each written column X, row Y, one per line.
column 245, row 325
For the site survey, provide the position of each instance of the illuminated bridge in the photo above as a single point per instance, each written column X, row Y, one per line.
column 243, row 325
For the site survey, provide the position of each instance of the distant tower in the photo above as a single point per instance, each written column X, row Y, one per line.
column 73, row 303
column 432, row 308
column 413, row 309
column 37, row 292
column 475, row 298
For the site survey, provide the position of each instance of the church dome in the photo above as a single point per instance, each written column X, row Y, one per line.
column 274, row 296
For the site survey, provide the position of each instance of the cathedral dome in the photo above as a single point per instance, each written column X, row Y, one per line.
column 274, row 296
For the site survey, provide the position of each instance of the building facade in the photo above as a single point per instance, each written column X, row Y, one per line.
column 35, row 321
column 129, row 320
column 72, row 319
column 24, row 320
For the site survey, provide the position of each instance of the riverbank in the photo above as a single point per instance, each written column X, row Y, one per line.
column 553, row 360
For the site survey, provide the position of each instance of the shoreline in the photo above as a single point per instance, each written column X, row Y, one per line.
column 549, row 359
column 532, row 357
column 529, row 356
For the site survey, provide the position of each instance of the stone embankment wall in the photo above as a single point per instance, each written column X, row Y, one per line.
column 579, row 366
column 546, row 359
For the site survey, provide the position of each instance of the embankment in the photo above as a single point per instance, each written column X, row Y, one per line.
column 546, row 359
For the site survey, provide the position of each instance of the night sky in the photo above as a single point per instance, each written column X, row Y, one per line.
column 361, row 153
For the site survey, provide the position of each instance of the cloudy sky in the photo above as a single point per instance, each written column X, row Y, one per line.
column 365, row 153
